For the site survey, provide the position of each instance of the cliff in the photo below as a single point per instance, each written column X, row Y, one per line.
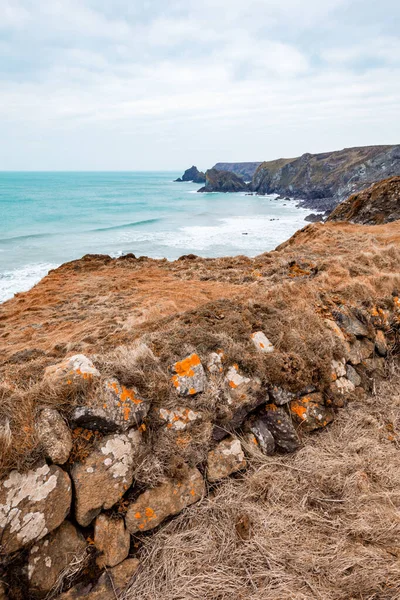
column 322, row 181
column 378, row 204
column 245, row 170
column 192, row 174
column 223, row 181
column 150, row 409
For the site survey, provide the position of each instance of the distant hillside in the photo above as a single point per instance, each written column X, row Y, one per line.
column 244, row 169
column 378, row 204
column 324, row 180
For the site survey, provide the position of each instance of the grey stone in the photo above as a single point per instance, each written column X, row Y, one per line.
column 225, row 459
column 282, row 429
column 54, row 435
column 257, row 425
column 353, row 376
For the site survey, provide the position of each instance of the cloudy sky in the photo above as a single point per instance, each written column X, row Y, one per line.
column 162, row 84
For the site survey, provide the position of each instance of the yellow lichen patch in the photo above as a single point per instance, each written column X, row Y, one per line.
column 184, row 368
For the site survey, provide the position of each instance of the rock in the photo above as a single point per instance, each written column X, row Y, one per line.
column 334, row 327
column 54, row 435
column 281, row 427
column 117, row 409
column 257, row 426
column 112, row 539
column 243, row 395
column 338, row 368
column 343, row 386
column 104, row 476
column 280, row 396
column 380, row 343
column 32, row 504
column 214, row 363
column 225, row 459
column 49, row 557
column 261, row 342
column 375, row 365
column 353, row 376
column 350, row 324
column 168, row 499
column 189, row 377
column 360, row 350
column 109, row 586
column 179, row 418
column 223, row 181
column 314, row 218
column 310, row 412
column 75, row 368
column 192, row 174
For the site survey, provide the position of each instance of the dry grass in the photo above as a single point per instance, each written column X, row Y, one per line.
column 321, row 524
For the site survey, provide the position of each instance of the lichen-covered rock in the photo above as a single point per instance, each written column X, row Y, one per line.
column 310, row 412
column 280, row 396
column 117, row 409
column 112, row 539
column 225, row 459
column 32, row 504
column 381, row 343
column 51, row 555
column 261, row 342
column 350, row 324
column 343, row 386
column 54, row 435
column 338, row 368
column 77, row 367
column 189, row 377
column 360, row 350
column 104, row 476
column 169, row 498
column 179, row 418
column 353, row 376
column 257, row 426
column 281, row 427
column 242, row 396
column 214, row 363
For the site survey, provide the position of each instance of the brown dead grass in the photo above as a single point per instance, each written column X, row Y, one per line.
column 320, row 524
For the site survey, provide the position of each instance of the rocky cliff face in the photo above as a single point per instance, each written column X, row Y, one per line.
column 192, row 174
column 245, row 170
column 378, row 204
column 324, row 180
column 223, row 181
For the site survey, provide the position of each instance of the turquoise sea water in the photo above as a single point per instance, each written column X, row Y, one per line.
column 49, row 218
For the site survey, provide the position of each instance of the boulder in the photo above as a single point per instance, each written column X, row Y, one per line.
column 117, row 409
column 179, row 418
column 75, row 368
column 257, row 427
column 54, row 435
column 380, row 343
column 165, row 500
column 189, row 377
column 225, row 459
column 281, row 427
column 112, row 540
column 360, row 350
column 51, row 555
column 32, row 504
column 261, row 342
column 104, row 476
column 310, row 412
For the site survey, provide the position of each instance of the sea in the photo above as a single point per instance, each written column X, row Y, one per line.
column 48, row 218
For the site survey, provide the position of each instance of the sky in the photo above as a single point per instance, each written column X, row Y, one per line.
column 164, row 84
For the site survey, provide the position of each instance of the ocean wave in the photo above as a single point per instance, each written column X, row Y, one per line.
column 128, row 225
column 22, row 279
column 17, row 238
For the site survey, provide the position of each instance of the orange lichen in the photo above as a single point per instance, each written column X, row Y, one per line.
column 232, row 384
column 299, row 410
column 192, row 391
column 149, row 512
column 184, row 368
column 138, row 515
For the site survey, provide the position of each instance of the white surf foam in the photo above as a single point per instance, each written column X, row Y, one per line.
column 22, row 279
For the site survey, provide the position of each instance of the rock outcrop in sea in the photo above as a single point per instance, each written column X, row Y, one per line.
column 223, row 181
column 192, row 174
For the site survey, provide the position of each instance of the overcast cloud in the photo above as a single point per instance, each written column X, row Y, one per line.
column 158, row 84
